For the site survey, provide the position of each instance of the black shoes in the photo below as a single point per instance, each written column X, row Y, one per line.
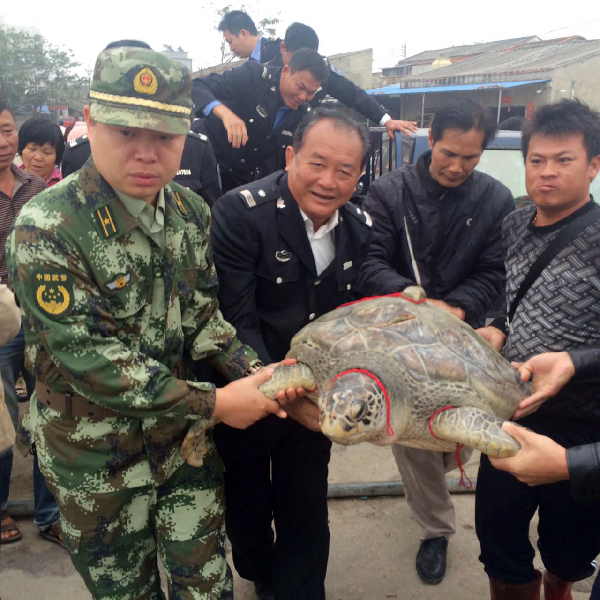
column 431, row 560
column 264, row 591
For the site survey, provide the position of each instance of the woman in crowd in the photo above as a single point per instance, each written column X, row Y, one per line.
column 41, row 146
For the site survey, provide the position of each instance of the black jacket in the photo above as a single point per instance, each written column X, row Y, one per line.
column 268, row 285
column 269, row 49
column 197, row 170
column 253, row 89
column 455, row 233
column 584, row 461
column 338, row 86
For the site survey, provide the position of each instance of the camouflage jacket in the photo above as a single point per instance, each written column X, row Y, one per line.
column 109, row 315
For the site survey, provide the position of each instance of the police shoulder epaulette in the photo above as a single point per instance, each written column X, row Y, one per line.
column 335, row 70
column 359, row 213
column 252, row 196
column 78, row 141
column 199, row 136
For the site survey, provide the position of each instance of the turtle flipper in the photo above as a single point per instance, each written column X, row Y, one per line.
column 285, row 376
column 194, row 448
column 475, row 428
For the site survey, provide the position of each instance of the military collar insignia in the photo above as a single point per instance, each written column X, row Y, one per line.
column 119, row 282
column 347, row 265
column 262, row 193
column 286, row 132
column 273, row 88
column 145, row 82
column 105, row 219
column 283, row 255
column 262, row 111
column 180, row 205
column 280, row 203
column 247, row 195
column 54, row 293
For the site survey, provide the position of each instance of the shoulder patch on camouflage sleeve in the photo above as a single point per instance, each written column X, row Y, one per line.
column 54, row 292
column 105, row 222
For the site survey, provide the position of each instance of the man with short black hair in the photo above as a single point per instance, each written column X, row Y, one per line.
column 299, row 35
column 558, row 311
column 287, row 249
column 113, row 269
column 268, row 104
column 437, row 225
column 240, row 32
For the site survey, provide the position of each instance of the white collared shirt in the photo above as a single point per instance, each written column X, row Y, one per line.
column 322, row 241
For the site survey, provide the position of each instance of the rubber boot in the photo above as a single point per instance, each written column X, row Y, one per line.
column 555, row 588
column 516, row 591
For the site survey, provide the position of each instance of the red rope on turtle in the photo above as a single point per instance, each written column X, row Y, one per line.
column 464, row 478
column 395, row 295
column 390, row 430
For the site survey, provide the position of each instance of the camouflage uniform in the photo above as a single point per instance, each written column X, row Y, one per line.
column 109, row 315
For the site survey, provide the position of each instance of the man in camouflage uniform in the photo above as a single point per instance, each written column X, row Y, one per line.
column 114, row 273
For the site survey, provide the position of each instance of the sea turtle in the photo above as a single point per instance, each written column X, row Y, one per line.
column 398, row 369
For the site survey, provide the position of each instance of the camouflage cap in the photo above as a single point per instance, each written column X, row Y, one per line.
column 137, row 87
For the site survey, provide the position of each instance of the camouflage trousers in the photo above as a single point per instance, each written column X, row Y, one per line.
column 115, row 546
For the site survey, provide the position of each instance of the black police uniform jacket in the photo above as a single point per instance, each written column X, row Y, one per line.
column 338, row 86
column 456, row 236
column 198, row 169
column 268, row 284
column 252, row 92
column 269, row 49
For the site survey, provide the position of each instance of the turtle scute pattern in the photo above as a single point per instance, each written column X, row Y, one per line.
column 425, row 357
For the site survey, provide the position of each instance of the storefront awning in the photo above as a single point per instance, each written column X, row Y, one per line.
column 396, row 90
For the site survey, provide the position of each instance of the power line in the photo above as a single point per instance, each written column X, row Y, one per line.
column 569, row 26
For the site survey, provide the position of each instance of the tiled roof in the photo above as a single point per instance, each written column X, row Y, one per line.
column 516, row 63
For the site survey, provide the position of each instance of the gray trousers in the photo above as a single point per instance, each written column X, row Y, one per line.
column 423, row 474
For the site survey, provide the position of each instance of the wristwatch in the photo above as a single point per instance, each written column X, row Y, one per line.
column 255, row 365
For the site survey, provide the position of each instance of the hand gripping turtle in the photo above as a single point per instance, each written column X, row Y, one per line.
column 396, row 369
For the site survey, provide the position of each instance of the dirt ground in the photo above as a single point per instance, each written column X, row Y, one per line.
column 373, row 544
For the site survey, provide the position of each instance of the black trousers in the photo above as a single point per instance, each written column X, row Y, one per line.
column 569, row 531
column 276, row 470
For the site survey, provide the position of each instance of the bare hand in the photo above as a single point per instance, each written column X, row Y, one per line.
column 240, row 404
column 455, row 310
column 493, row 336
column 540, row 459
column 551, row 371
column 406, row 127
column 305, row 412
column 237, row 134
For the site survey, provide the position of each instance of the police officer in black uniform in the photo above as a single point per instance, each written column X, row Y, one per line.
column 337, row 85
column 268, row 103
column 287, row 249
column 198, row 170
column 240, row 32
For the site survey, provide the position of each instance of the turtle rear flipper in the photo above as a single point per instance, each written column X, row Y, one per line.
column 285, row 376
column 475, row 428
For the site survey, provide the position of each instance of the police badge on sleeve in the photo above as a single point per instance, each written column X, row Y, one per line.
column 54, row 293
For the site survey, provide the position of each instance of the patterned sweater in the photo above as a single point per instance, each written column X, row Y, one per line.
column 560, row 311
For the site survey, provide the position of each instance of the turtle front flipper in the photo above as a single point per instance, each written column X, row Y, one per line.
column 285, row 376
column 475, row 428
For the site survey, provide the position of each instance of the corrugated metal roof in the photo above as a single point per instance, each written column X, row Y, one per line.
column 396, row 90
column 520, row 61
column 467, row 49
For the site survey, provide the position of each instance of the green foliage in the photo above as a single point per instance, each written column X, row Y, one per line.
column 33, row 72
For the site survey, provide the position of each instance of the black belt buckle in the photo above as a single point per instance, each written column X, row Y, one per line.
column 69, row 404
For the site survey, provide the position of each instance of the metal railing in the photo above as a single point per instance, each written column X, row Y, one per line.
column 382, row 158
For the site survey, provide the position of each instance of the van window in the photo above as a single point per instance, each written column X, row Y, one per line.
column 506, row 166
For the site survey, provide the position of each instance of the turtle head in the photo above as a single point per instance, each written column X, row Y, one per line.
column 354, row 408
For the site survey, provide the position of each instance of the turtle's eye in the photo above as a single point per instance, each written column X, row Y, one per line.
column 357, row 410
